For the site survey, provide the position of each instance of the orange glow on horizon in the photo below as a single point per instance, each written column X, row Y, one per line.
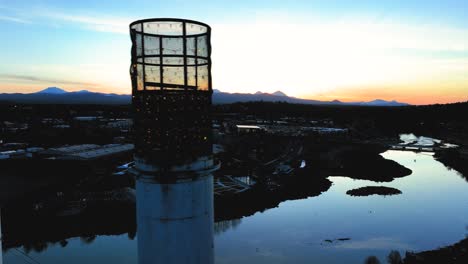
column 421, row 100
column 411, row 96
column 418, row 95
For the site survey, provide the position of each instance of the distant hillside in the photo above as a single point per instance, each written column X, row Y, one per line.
column 279, row 93
column 55, row 95
column 52, row 90
column 278, row 96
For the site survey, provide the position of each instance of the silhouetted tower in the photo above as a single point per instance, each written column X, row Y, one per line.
column 1, row 238
column 171, row 79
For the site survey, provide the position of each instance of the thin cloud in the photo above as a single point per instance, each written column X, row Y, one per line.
column 14, row 19
column 41, row 79
column 106, row 24
column 97, row 22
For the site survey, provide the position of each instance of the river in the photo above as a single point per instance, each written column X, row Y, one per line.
column 431, row 212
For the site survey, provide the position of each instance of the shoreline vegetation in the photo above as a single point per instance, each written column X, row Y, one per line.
column 453, row 254
column 457, row 253
column 456, row 159
column 356, row 161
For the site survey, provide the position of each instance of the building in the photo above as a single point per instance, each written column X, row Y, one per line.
column 87, row 151
column 122, row 124
column 246, row 129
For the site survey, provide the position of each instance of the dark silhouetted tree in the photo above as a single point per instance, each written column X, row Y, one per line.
column 372, row 260
column 394, row 257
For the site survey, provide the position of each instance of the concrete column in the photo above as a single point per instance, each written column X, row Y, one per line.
column 1, row 238
column 175, row 221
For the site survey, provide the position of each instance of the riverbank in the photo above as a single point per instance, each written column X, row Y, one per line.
column 456, row 159
column 357, row 160
column 261, row 197
column 454, row 254
column 353, row 160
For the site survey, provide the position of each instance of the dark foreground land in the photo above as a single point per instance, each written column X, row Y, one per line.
column 455, row 254
column 262, row 156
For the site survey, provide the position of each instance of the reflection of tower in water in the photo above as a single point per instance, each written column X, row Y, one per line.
column 171, row 79
column 1, row 237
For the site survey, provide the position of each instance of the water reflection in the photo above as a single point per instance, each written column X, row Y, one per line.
column 35, row 231
column 175, row 221
column 223, row 226
column 372, row 260
column 394, row 257
column 1, row 239
column 433, row 198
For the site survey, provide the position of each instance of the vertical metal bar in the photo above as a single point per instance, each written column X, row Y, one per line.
column 143, row 54
column 208, row 40
column 196, row 63
column 133, row 66
column 184, row 29
column 161, row 70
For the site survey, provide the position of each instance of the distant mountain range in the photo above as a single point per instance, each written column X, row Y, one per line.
column 55, row 95
column 52, row 90
column 56, row 90
column 227, row 98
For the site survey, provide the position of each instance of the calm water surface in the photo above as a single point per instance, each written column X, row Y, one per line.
column 431, row 212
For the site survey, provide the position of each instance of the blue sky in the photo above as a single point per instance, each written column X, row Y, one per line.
column 348, row 50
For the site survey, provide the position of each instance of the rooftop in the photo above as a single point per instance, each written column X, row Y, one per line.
column 248, row 127
column 102, row 151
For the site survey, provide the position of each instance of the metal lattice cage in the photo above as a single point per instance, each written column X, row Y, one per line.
column 171, row 79
column 170, row 54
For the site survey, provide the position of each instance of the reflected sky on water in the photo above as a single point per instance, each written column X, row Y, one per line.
column 430, row 213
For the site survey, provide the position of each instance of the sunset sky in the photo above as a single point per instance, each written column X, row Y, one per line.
column 410, row 51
